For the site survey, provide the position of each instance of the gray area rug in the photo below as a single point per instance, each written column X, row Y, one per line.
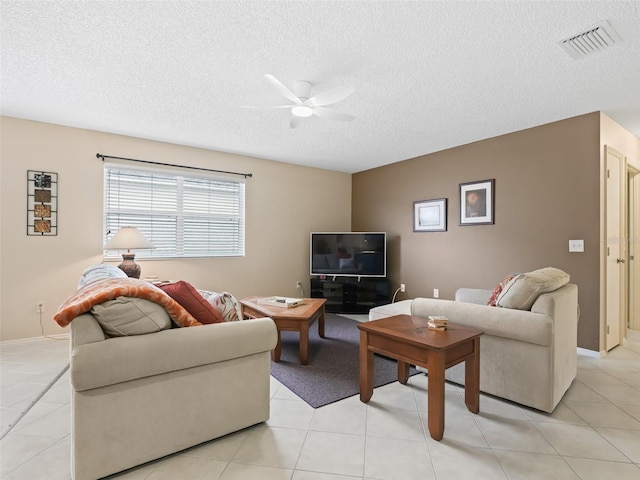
column 333, row 372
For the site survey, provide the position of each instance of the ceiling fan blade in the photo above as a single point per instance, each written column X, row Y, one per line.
column 266, row 108
column 284, row 91
column 329, row 114
column 331, row 96
column 295, row 121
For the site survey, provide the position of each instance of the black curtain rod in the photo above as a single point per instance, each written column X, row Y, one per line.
column 245, row 175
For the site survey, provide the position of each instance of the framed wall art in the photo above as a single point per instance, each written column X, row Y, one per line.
column 477, row 202
column 42, row 203
column 430, row 215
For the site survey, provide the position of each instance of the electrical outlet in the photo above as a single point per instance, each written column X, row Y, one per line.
column 402, row 287
column 40, row 307
column 436, row 293
column 299, row 284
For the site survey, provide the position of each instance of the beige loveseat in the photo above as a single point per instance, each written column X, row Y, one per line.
column 138, row 398
column 527, row 356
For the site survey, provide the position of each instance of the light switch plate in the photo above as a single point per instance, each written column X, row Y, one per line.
column 576, row 245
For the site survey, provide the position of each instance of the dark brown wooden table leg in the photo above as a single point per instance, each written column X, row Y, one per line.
column 435, row 395
column 472, row 379
column 321, row 323
column 403, row 372
column 366, row 368
column 304, row 343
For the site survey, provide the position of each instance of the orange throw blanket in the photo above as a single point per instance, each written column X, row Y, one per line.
column 101, row 291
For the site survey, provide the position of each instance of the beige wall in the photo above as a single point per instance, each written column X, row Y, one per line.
column 283, row 204
column 547, row 192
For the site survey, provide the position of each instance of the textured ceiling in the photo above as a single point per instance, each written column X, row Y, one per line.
column 428, row 75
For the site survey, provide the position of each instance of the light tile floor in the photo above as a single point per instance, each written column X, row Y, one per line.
column 593, row 434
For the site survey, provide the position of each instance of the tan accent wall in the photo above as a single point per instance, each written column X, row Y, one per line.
column 284, row 203
column 547, row 182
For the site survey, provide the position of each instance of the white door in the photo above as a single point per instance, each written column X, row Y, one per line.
column 615, row 248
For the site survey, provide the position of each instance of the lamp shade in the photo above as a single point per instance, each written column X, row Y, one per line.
column 128, row 238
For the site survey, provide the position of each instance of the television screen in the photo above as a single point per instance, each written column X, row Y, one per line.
column 351, row 254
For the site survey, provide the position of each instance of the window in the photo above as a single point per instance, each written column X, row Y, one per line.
column 182, row 215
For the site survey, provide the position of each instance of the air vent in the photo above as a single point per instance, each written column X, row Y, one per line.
column 595, row 39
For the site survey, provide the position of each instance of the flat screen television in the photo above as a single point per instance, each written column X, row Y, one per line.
column 349, row 254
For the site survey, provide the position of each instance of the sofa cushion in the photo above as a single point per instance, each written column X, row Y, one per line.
column 188, row 296
column 493, row 298
column 523, row 290
column 126, row 316
column 509, row 323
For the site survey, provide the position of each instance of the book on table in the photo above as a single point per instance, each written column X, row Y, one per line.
column 437, row 322
column 283, row 302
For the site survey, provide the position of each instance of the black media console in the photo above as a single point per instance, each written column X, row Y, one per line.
column 350, row 294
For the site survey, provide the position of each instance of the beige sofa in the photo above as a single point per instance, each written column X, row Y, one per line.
column 527, row 356
column 138, row 398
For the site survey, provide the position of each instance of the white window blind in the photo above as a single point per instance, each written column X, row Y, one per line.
column 182, row 215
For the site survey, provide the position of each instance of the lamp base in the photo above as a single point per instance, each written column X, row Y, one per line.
column 128, row 266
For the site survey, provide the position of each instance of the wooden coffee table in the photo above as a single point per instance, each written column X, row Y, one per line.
column 295, row 319
column 407, row 339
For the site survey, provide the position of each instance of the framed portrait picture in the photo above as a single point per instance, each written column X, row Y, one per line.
column 430, row 215
column 477, row 202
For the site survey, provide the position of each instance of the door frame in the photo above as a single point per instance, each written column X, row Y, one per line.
column 633, row 259
column 623, row 236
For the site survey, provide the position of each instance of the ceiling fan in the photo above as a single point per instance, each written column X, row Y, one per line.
column 303, row 106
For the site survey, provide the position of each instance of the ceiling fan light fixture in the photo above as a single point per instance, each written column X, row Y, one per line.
column 305, row 106
column 302, row 111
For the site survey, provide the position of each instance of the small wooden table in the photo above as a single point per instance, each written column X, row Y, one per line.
column 410, row 342
column 295, row 319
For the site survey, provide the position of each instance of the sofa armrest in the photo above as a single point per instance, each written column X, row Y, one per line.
column 562, row 306
column 86, row 329
column 562, row 302
column 473, row 295
column 121, row 359
column 402, row 307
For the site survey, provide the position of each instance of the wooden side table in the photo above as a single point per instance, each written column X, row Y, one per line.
column 407, row 339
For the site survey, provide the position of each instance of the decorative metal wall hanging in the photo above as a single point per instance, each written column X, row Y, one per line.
column 42, row 203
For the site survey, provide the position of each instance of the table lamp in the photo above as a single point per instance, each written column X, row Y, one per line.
column 128, row 238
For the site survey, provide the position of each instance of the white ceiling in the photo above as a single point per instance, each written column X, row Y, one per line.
column 428, row 75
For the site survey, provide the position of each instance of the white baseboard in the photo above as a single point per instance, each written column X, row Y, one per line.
column 590, row 353
column 19, row 341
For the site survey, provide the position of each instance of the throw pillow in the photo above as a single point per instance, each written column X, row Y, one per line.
column 498, row 290
column 523, row 290
column 126, row 316
column 226, row 304
column 186, row 295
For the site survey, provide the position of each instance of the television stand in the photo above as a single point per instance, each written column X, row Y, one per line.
column 351, row 294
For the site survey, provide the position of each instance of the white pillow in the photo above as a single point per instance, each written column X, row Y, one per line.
column 101, row 271
column 523, row 290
